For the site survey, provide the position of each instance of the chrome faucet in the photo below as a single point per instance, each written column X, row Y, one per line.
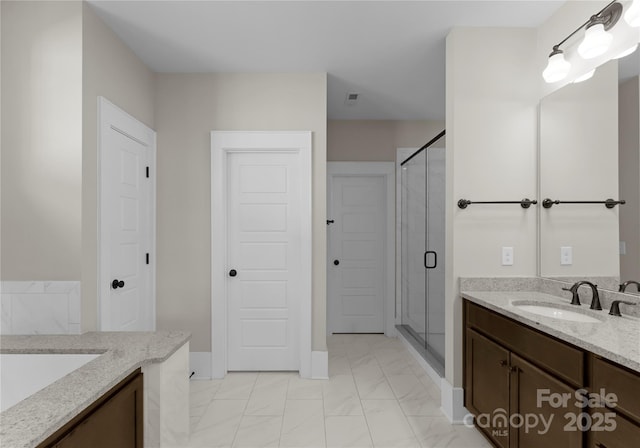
column 623, row 286
column 595, row 297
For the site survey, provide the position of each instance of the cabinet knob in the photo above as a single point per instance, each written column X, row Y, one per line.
column 503, row 363
column 117, row 284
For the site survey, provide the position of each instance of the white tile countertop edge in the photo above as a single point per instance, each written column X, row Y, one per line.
column 32, row 420
column 615, row 338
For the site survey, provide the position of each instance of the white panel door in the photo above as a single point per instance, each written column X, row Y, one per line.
column 356, row 254
column 127, row 302
column 264, row 252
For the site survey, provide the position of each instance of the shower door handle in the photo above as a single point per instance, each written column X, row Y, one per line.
column 435, row 259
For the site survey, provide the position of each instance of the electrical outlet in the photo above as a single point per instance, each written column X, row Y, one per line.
column 566, row 255
column 623, row 248
column 507, row 256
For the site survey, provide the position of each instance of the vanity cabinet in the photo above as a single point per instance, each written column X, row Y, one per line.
column 502, row 382
column 114, row 420
column 513, row 370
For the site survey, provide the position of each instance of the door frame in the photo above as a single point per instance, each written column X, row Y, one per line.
column 222, row 144
column 387, row 171
column 112, row 117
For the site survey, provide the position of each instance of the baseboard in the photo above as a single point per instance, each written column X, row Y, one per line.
column 319, row 365
column 200, row 363
column 452, row 403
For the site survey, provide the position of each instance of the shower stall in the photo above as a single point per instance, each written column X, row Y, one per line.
column 422, row 218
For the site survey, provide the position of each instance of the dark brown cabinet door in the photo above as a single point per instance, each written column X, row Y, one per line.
column 547, row 409
column 116, row 420
column 487, row 386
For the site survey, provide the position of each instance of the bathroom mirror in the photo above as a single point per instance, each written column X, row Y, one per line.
column 581, row 160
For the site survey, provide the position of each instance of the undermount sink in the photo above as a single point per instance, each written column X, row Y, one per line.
column 557, row 313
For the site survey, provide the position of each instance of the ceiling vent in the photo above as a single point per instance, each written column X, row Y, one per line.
column 352, row 98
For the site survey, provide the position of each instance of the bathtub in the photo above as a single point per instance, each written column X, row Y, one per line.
column 22, row 375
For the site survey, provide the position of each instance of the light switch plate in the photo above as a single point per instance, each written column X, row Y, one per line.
column 507, row 256
column 566, row 255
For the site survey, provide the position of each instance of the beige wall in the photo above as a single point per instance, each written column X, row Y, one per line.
column 41, row 140
column 629, row 116
column 376, row 140
column 112, row 70
column 492, row 97
column 188, row 107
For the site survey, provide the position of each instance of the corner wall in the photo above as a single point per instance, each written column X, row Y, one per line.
column 188, row 108
column 492, row 98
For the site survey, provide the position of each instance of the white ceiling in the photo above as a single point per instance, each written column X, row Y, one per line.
column 390, row 52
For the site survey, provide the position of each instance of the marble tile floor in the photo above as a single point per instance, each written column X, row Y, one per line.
column 377, row 396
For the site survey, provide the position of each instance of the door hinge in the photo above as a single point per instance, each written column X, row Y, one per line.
column 147, row 257
column 147, row 172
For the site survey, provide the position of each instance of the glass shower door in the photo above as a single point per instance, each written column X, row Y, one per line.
column 423, row 239
column 414, row 234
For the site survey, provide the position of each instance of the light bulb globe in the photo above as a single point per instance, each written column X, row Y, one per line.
column 557, row 67
column 596, row 41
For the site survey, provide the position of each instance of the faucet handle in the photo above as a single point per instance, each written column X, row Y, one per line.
column 575, row 298
column 615, row 307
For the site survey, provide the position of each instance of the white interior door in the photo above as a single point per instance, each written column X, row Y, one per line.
column 126, row 222
column 264, row 252
column 357, row 245
column 261, row 228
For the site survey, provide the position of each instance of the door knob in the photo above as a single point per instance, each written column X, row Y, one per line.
column 336, row 262
column 117, row 284
column 233, row 273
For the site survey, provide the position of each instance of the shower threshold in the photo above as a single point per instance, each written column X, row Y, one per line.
column 417, row 342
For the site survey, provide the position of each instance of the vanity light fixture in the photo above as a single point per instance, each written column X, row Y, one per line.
column 632, row 16
column 596, row 41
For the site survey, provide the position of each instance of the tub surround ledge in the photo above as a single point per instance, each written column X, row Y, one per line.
column 32, row 420
column 614, row 338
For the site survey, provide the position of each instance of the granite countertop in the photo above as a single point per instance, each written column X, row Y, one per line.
column 32, row 420
column 615, row 338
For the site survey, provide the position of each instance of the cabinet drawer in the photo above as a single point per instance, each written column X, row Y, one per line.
column 555, row 356
column 620, row 381
column 625, row 435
